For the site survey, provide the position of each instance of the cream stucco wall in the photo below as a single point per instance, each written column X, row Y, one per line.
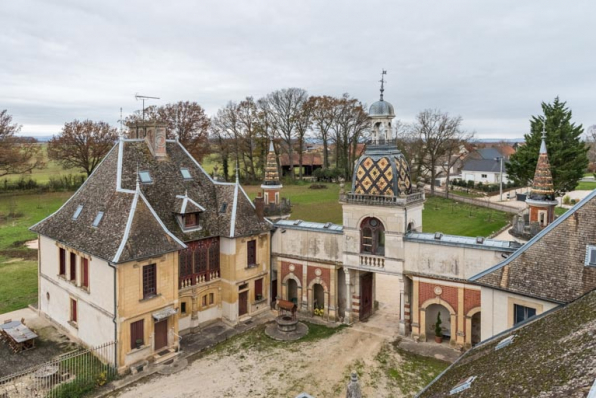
column 497, row 309
column 95, row 306
column 322, row 246
column 451, row 261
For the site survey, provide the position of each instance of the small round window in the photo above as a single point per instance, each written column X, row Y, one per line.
column 374, row 223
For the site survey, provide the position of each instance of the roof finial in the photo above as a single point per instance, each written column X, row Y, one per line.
column 138, row 178
column 543, row 144
column 383, row 73
column 271, row 146
column 186, row 193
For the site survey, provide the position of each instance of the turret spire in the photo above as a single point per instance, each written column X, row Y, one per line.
column 383, row 73
column 543, row 144
column 542, row 186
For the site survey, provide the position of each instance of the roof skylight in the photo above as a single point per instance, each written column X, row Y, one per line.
column 77, row 212
column 98, row 218
column 223, row 207
column 591, row 256
column 145, row 177
column 185, row 174
column 505, row 342
column 462, row 385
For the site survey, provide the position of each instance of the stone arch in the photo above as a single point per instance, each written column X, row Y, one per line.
column 452, row 316
column 364, row 217
column 310, row 293
column 469, row 317
column 289, row 276
column 286, row 288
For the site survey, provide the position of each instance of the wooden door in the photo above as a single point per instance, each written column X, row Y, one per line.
column 161, row 334
column 274, row 291
column 243, row 303
column 366, row 285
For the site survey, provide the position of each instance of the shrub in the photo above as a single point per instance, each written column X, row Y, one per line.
column 317, row 186
column 566, row 200
column 573, row 201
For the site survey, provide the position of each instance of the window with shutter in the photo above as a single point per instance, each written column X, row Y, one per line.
column 137, row 334
column 73, row 267
column 251, row 252
column 85, row 272
column 73, row 311
column 259, row 289
column 149, row 281
column 62, row 262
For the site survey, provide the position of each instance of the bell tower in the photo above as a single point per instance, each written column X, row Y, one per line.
column 381, row 114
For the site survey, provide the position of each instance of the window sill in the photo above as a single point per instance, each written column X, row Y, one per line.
column 149, row 298
column 73, row 324
column 85, row 289
column 264, row 299
column 139, row 349
column 251, row 266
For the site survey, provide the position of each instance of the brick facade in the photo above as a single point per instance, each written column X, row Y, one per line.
column 449, row 294
column 285, row 270
column 325, row 275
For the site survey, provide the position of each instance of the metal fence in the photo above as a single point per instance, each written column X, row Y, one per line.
column 69, row 375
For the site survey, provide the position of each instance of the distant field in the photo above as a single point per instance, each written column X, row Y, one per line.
column 52, row 169
column 585, row 186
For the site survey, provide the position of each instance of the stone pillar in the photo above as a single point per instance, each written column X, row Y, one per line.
column 305, row 290
column 348, row 310
column 468, row 337
column 355, row 296
column 416, row 329
column 353, row 387
column 461, row 331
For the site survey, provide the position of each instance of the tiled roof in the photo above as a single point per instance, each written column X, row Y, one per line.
column 551, row 265
column 552, row 356
column 111, row 189
column 490, row 165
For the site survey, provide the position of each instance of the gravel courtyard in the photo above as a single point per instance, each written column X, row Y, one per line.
column 252, row 365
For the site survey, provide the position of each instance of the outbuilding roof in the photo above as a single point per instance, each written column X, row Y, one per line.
column 464, row 241
column 310, row 226
column 552, row 355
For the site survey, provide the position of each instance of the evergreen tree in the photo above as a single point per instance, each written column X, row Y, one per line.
column 567, row 152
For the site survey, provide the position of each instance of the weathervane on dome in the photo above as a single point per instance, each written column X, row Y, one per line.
column 383, row 73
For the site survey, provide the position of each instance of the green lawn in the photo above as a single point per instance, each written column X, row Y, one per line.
column 457, row 218
column 18, row 265
column 585, row 186
column 42, row 176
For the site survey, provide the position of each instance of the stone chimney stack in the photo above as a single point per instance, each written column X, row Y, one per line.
column 156, row 141
column 260, row 206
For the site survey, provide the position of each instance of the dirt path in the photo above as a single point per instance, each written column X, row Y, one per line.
column 253, row 368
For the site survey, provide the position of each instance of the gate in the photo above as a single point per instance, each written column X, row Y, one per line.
column 366, row 286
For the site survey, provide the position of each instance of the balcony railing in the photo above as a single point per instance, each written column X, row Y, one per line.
column 380, row 200
column 198, row 278
column 372, row 261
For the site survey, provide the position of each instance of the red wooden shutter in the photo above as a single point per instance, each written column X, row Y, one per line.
column 259, row 289
column 73, row 266
column 74, row 310
column 85, row 263
column 137, row 333
column 251, row 252
column 62, row 261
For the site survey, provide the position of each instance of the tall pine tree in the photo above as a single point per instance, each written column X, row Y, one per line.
column 567, row 152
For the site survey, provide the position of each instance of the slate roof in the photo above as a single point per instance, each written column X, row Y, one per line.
column 553, row 355
column 489, row 165
column 551, row 266
column 462, row 241
column 310, row 226
column 153, row 229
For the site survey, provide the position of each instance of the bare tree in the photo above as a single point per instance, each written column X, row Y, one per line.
column 283, row 107
column 17, row 154
column 82, row 144
column 189, row 122
column 323, row 118
column 454, row 153
column 226, row 130
column 437, row 131
column 303, row 125
column 350, row 124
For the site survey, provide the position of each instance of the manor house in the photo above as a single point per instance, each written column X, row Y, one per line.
column 152, row 247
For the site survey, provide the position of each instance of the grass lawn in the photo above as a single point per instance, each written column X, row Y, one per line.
column 51, row 169
column 466, row 194
column 457, row 218
column 585, row 186
column 18, row 264
column 19, row 283
column 560, row 210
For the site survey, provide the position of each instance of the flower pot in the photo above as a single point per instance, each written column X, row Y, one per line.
column 438, row 339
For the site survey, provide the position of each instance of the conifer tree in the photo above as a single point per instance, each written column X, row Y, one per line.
column 567, row 152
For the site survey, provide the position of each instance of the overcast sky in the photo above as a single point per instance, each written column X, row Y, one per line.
column 492, row 62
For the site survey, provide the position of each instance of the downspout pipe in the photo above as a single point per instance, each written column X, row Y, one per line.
column 115, row 314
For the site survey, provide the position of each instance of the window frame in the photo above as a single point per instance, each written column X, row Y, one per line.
column 149, row 276
column 77, row 212
column 259, row 289
column 526, row 310
column 251, row 253
column 85, row 273
column 97, row 219
column 74, row 315
column 62, row 262
column 72, row 262
column 145, row 181
column 137, row 328
column 372, row 237
column 185, row 169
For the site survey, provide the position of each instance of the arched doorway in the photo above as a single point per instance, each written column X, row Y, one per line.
column 476, row 322
column 432, row 312
column 318, row 296
column 293, row 291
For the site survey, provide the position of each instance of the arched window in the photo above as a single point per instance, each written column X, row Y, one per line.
column 372, row 237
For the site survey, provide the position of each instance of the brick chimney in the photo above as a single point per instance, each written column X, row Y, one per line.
column 260, row 206
column 156, row 140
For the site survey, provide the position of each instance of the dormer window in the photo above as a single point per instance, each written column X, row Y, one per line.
column 185, row 173
column 77, row 212
column 145, row 177
column 191, row 220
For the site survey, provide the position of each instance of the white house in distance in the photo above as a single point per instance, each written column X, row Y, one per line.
column 484, row 165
